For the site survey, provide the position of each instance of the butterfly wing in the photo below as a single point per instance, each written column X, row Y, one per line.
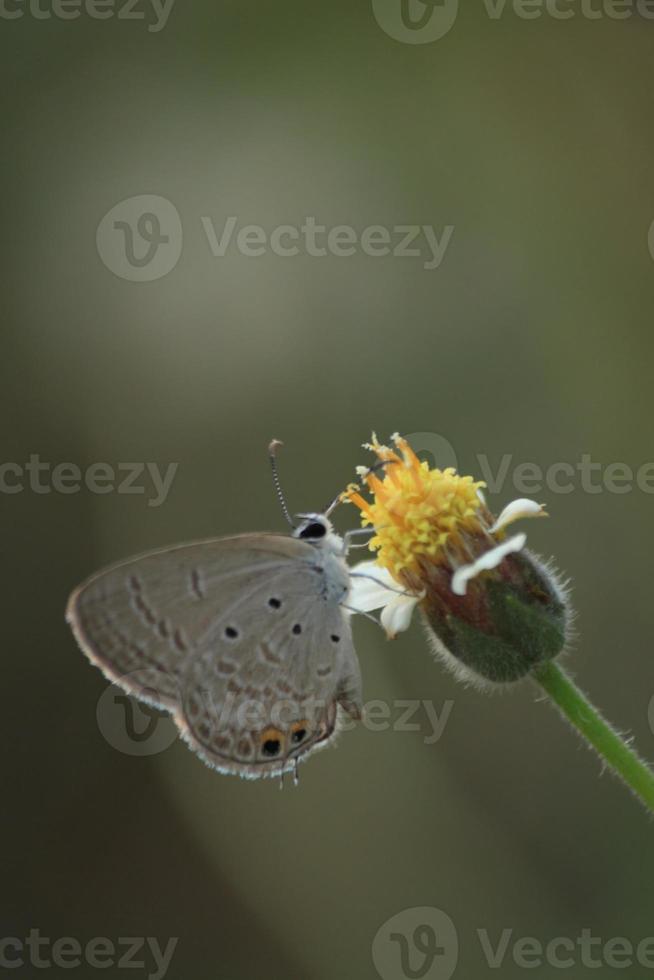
column 268, row 686
column 215, row 624
column 140, row 619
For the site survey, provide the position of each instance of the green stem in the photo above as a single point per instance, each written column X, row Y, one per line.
column 610, row 746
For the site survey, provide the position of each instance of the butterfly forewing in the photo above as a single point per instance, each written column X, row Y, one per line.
column 139, row 620
column 244, row 639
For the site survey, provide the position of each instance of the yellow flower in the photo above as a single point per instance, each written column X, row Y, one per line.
column 417, row 511
column 437, row 545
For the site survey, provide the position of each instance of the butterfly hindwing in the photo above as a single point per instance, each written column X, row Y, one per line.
column 270, row 683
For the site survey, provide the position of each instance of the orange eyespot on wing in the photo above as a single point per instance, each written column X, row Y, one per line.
column 272, row 743
column 299, row 732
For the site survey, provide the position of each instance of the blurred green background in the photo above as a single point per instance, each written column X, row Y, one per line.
column 533, row 337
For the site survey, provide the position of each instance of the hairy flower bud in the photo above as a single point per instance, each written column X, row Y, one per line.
column 510, row 620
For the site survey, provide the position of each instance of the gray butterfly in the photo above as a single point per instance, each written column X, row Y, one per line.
column 245, row 640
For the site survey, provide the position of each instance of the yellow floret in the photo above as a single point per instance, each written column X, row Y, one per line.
column 415, row 510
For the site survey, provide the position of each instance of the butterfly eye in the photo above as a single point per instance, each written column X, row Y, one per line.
column 313, row 531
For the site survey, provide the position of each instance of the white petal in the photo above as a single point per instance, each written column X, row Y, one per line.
column 381, row 591
column 490, row 559
column 366, row 594
column 515, row 511
column 396, row 615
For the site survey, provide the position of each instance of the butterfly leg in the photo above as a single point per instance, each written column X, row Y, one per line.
column 347, row 538
column 362, row 612
column 384, row 585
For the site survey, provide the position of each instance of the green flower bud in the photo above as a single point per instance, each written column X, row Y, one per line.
column 510, row 620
